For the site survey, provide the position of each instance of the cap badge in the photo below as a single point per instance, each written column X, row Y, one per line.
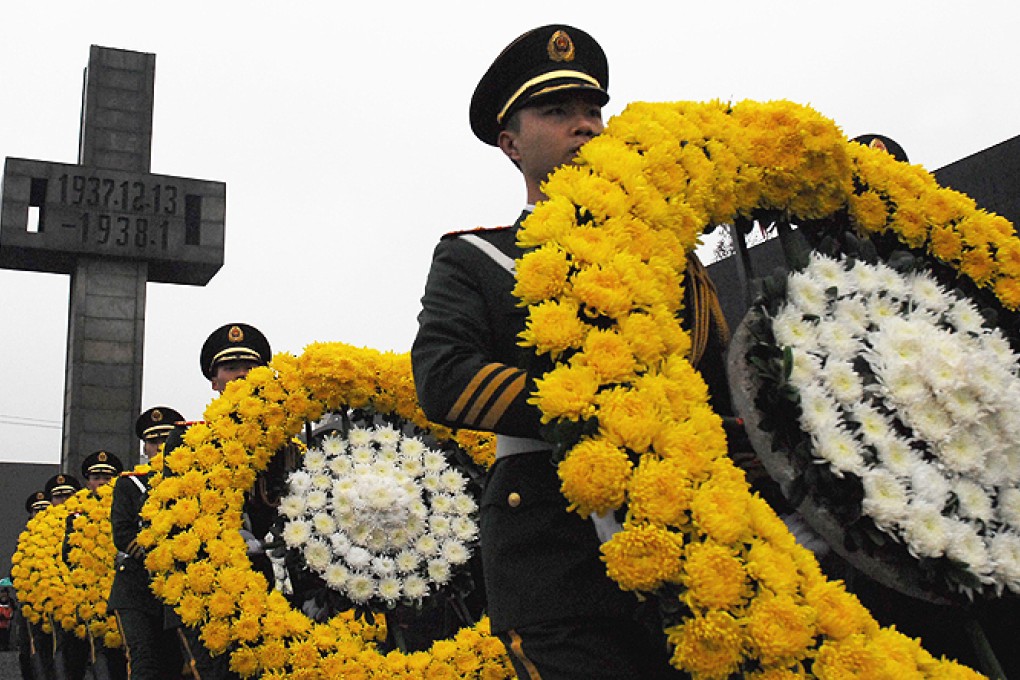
column 39, row 495
column 60, row 479
column 560, row 47
column 157, row 415
column 235, row 334
column 102, row 456
column 877, row 143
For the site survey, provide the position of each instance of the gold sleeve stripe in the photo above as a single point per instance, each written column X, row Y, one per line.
column 483, row 398
column 469, row 391
column 504, row 401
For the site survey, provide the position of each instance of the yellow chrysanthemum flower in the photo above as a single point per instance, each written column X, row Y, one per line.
column 566, row 392
column 709, row 646
column 594, row 476
column 608, row 353
column 643, row 557
column 780, row 629
column 542, row 274
column 714, row 577
column 628, row 417
column 720, row 510
column 554, row 327
column 660, row 492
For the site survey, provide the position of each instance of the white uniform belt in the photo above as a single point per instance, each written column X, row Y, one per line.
column 507, row 446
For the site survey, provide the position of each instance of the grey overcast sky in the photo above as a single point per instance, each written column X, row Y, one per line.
column 341, row 132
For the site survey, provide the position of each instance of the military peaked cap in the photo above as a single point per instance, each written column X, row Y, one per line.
column 157, row 422
column 37, row 501
column 549, row 59
column 885, row 144
column 234, row 342
column 101, row 463
column 62, row 484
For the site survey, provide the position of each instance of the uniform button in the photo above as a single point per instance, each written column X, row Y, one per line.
column 513, row 500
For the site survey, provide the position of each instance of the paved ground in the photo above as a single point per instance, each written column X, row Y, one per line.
column 9, row 666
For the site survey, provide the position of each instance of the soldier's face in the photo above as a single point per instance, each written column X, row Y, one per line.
column 97, row 479
column 151, row 447
column 57, row 499
column 548, row 134
column 227, row 371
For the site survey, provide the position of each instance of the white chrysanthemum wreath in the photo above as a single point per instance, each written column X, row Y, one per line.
column 902, row 384
column 382, row 518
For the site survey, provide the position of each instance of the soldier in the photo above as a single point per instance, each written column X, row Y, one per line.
column 228, row 354
column 152, row 648
column 549, row 598
column 61, row 486
column 36, row 502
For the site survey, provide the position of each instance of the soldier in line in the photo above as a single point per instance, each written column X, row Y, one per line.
column 228, row 354
column 152, row 647
column 549, row 598
column 28, row 656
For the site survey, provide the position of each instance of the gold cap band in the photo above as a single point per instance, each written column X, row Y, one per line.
column 544, row 78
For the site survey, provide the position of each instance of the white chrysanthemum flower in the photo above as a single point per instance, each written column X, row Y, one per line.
column 333, row 446
column 434, row 461
column 323, row 523
column 314, row 460
column 440, row 526
column 464, row 504
column 963, row 405
column 884, row 308
column 390, row 589
column 455, row 552
column 415, row 587
column 322, row 481
column 807, row 369
column 1008, row 507
column 317, row 554
column 898, row 456
column 406, row 561
column 442, row 503
column 464, row 529
column 808, row 293
column 966, row 317
column 431, row 483
column 791, row 330
column 336, row 576
column 874, row 427
column 384, row 566
column 296, row 533
column 929, row 485
column 838, row 339
column 359, row 437
column 818, row 411
column 362, row 455
column 844, row 382
column 341, row 543
column 1000, row 348
column 926, row 291
column 1004, row 549
column 360, row 588
column 975, row 501
column 901, row 384
column 995, row 471
column 386, row 434
column 967, row 546
column 388, row 454
column 963, row 453
column 340, row 466
column 299, row 482
column 292, row 507
column 886, row 500
column 427, row 545
column 889, row 281
column 839, row 447
column 358, row 557
column 439, row 571
column 926, row 531
column 864, row 278
column 854, row 313
column 412, row 466
column 412, row 447
column 452, row 481
column 316, row 499
column 928, row 420
column 829, row 272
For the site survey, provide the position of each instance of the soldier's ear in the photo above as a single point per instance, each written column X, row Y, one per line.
column 507, row 142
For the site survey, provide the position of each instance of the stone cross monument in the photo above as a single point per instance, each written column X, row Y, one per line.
column 113, row 227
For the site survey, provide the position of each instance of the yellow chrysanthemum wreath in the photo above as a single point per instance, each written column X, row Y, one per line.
column 90, row 558
column 39, row 573
column 609, row 254
column 197, row 556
